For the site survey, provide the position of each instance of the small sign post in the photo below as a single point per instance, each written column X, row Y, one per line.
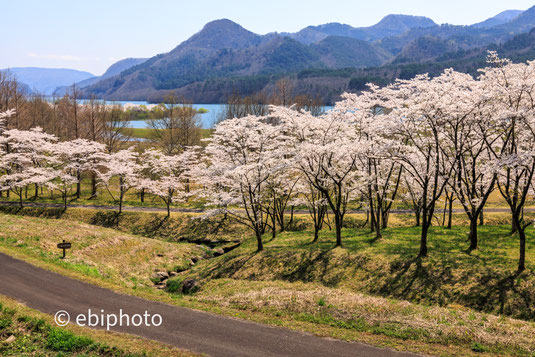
column 64, row 245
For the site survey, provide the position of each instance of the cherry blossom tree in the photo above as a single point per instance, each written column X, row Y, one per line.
column 169, row 174
column 26, row 160
column 243, row 154
column 123, row 166
column 325, row 149
column 78, row 157
column 512, row 88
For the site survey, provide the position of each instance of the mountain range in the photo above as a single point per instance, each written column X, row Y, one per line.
column 224, row 58
column 46, row 80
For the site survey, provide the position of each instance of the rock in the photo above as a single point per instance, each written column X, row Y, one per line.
column 194, row 259
column 191, row 262
column 160, row 276
column 160, row 286
column 163, row 275
column 218, row 252
column 173, row 273
column 190, row 286
column 10, row 339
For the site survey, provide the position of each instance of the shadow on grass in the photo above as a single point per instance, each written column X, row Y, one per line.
column 43, row 212
column 107, row 219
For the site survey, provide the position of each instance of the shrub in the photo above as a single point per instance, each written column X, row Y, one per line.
column 62, row 340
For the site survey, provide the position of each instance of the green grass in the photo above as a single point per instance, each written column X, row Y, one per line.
column 147, row 133
column 26, row 332
column 484, row 280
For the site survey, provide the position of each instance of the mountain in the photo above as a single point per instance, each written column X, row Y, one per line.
column 113, row 70
column 225, row 49
column 340, row 52
column 500, row 19
column 426, row 48
column 46, row 80
column 391, row 25
column 466, row 37
column 520, row 24
column 322, row 60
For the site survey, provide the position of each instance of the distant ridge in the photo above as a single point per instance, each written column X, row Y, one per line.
column 46, row 80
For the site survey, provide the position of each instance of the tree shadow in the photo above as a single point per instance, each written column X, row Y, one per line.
column 107, row 219
column 154, row 227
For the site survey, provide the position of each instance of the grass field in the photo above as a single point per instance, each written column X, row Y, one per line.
column 146, row 133
column 451, row 303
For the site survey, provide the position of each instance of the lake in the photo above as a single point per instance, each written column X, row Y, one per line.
column 207, row 119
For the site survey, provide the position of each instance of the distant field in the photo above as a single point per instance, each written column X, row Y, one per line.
column 145, row 133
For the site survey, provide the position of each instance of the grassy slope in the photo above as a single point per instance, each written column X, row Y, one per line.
column 97, row 252
column 485, row 279
column 281, row 286
column 26, row 332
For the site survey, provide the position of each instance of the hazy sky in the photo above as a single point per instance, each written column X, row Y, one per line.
column 91, row 35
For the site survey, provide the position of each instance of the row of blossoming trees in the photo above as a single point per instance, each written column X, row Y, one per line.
column 415, row 140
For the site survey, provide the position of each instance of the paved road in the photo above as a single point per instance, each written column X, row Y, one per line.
column 193, row 210
column 185, row 328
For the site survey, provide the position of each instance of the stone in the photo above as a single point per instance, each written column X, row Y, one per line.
column 190, row 286
column 160, row 286
column 10, row 339
column 218, row 252
column 173, row 273
column 163, row 275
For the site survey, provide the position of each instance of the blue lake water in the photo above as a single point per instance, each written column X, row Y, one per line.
column 208, row 119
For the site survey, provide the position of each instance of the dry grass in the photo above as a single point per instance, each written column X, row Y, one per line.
column 339, row 307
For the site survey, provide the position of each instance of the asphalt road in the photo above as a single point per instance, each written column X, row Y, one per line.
column 193, row 330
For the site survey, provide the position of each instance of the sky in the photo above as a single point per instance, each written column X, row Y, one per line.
column 92, row 35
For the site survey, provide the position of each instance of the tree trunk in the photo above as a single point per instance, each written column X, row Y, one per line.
column 78, row 185
column 316, row 234
column 338, row 224
column 121, row 202
column 417, row 217
column 385, row 216
column 423, row 237
column 20, row 200
column 450, row 213
column 273, row 226
column 36, row 194
column 93, row 186
column 514, row 226
column 473, row 233
column 378, row 234
column 260, row 245
column 522, row 257
column 481, row 220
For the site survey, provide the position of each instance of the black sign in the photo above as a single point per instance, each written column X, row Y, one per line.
column 64, row 245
